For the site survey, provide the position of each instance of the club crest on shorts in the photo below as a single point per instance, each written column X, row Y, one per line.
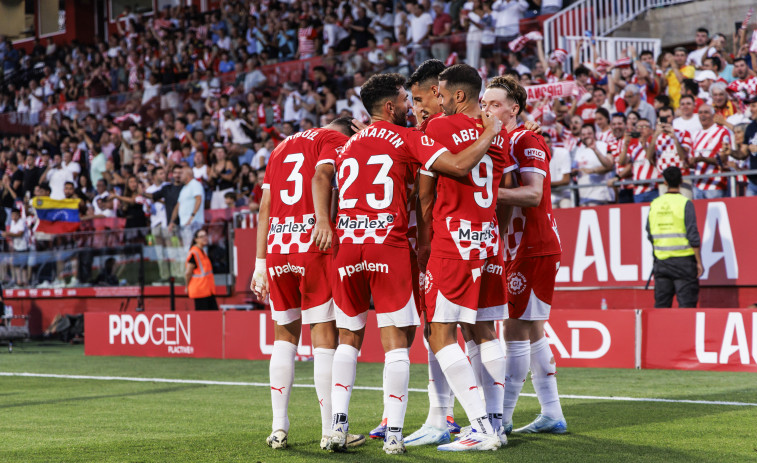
column 516, row 283
column 427, row 282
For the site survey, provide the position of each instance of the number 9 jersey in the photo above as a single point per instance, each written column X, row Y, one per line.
column 288, row 177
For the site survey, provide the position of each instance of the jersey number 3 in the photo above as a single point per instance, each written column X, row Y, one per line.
column 382, row 178
column 292, row 198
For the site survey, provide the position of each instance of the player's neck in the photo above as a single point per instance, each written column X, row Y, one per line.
column 470, row 110
column 512, row 124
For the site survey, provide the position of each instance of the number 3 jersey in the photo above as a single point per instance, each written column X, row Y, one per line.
column 465, row 220
column 373, row 170
column 532, row 230
column 288, row 176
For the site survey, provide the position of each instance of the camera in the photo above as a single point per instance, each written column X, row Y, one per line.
column 635, row 134
column 664, row 119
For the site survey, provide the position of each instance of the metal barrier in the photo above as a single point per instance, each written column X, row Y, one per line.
column 599, row 16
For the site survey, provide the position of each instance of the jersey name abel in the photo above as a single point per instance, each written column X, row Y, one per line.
column 467, row 135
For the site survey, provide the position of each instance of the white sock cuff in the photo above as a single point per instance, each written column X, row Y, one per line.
column 323, row 351
column 449, row 355
column 285, row 346
column 491, row 350
column 347, row 350
column 518, row 348
column 539, row 345
column 397, row 355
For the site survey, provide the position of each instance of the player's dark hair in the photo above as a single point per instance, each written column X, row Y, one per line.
column 427, row 73
column 672, row 176
column 462, row 77
column 379, row 88
column 605, row 113
column 512, row 88
column 546, row 135
column 343, row 125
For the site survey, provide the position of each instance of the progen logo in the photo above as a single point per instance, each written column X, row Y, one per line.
column 349, row 270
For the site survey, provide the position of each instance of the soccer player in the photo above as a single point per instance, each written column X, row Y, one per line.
column 424, row 87
column 464, row 271
column 373, row 255
column 532, row 254
column 295, row 273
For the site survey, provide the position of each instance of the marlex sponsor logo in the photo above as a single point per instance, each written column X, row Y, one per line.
column 169, row 330
column 347, row 223
column 291, row 227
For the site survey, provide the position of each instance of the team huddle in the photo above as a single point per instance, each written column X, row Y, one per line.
column 450, row 221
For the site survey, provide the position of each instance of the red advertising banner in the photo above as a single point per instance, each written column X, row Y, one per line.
column 607, row 246
column 690, row 339
column 579, row 338
column 151, row 334
column 593, row 338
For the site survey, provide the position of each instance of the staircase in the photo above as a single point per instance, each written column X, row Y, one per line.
column 599, row 16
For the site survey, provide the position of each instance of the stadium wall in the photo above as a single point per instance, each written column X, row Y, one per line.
column 717, row 340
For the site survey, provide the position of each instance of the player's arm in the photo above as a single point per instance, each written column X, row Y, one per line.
column 423, row 214
column 504, row 211
column 459, row 165
column 259, row 284
column 322, row 234
column 527, row 195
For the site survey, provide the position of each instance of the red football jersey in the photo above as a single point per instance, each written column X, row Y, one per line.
column 288, row 176
column 532, row 230
column 465, row 222
column 373, row 172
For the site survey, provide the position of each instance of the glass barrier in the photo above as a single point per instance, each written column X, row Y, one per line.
column 116, row 257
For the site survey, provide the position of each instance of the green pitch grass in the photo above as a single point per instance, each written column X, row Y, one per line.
column 56, row 419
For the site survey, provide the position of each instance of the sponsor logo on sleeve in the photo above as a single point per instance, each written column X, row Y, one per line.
column 532, row 153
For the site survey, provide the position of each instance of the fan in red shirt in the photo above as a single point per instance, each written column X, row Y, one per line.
column 373, row 255
column 532, row 251
column 291, row 268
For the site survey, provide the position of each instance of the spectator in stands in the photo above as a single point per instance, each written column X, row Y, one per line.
column 687, row 119
column 634, row 102
column 706, row 155
column 559, row 172
column 441, row 29
column 591, row 164
column 747, row 149
column 190, row 208
column 507, row 15
column 421, row 25
column 17, row 232
column 221, row 176
column 701, row 39
column 676, row 70
column 670, row 147
column 634, row 152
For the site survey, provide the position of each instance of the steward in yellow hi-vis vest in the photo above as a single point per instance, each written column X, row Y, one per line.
column 199, row 274
column 672, row 229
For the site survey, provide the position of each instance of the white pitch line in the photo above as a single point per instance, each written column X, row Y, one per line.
column 360, row 388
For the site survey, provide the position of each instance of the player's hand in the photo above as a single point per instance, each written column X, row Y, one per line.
column 322, row 235
column 533, row 126
column 358, row 125
column 259, row 283
column 491, row 122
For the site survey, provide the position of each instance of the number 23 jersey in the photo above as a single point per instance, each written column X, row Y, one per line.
column 372, row 171
column 288, row 176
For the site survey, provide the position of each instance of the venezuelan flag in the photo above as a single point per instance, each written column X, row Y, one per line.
column 57, row 215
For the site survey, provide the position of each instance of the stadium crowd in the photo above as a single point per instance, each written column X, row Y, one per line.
column 184, row 99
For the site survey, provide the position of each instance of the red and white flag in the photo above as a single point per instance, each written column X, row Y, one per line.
column 451, row 59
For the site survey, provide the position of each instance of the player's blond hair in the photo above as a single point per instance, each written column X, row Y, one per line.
column 513, row 89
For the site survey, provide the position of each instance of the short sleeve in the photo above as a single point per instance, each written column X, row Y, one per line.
column 531, row 155
column 267, row 179
column 331, row 148
column 423, row 148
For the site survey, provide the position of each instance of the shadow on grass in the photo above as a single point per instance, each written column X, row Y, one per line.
column 100, row 397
